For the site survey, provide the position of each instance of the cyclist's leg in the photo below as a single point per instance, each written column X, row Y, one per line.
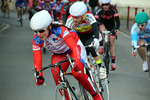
column 55, row 71
column 112, row 51
column 83, row 79
column 101, row 28
column 142, row 51
column 18, row 13
column 93, row 51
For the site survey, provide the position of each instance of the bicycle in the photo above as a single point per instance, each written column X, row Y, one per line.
column 5, row 9
column 147, row 46
column 106, row 47
column 101, row 85
column 20, row 15
column 64, row 83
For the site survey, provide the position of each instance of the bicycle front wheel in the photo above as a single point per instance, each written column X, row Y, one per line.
column 84, row 95
column 60, row 93
column 148, row 61
column 105, row 89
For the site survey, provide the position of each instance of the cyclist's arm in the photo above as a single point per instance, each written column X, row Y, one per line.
column 71, row 42
column 94, row 25
column 37, row 53
column 54, row 14
column 117, row 22
column 64, row 13
column 134, row 36
column 95, row 30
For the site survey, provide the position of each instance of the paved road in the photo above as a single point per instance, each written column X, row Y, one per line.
column 128, row 82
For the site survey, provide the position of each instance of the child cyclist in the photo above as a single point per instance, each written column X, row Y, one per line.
column 60, row 41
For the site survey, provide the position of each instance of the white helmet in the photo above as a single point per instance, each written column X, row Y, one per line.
column 105, row 1
column 78, row 9
column 41, row 20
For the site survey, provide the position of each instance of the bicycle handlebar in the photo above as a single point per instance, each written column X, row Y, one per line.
column 112, row 31
column 138, row 46
column 58, row 64
column 90, row 45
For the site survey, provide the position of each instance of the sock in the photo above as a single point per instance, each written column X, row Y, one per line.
column 113, row 58
column 99, row 62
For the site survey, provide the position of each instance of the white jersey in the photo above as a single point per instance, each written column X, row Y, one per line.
column 136, row 33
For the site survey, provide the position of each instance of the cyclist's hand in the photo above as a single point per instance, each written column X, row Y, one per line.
column 77, row 67
column 39, row 80
column 117, row 32
column 96, row 43
column 133, row 53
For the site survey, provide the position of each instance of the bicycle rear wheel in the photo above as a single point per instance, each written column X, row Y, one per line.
column 106, row 57
column 61, row 96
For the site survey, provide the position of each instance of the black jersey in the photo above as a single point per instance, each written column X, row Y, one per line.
column 108, row 18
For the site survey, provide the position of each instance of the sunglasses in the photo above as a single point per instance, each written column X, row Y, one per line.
column 105, row 4
column 141, row 24
column 40, row 31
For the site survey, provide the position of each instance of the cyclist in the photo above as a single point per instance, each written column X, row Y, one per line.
column 58, row 4
column 140, row 34
column 20, row 5
column 61, row 41
column 48, row 5
column 2, row 4
column 34, row 6
column 107, row 16
column 65, row 10
column 85, row 24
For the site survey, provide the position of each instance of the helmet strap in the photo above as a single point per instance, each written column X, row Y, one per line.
column 49, row 31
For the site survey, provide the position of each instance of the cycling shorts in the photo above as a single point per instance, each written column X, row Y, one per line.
column 20, row 6
column 146, row 39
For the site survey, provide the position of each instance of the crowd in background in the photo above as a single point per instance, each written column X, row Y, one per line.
column 58, row 9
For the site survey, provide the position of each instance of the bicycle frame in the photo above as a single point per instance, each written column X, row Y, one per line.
column 63, row 82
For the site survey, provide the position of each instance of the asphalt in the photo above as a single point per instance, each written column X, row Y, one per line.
column 123, row 24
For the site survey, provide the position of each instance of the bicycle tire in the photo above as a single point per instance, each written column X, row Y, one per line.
column 105, row 91
column 148, row 61
column 70, row 91
column 148, row 58
column 21, row 23
column 106, row 57
column 21, row 19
